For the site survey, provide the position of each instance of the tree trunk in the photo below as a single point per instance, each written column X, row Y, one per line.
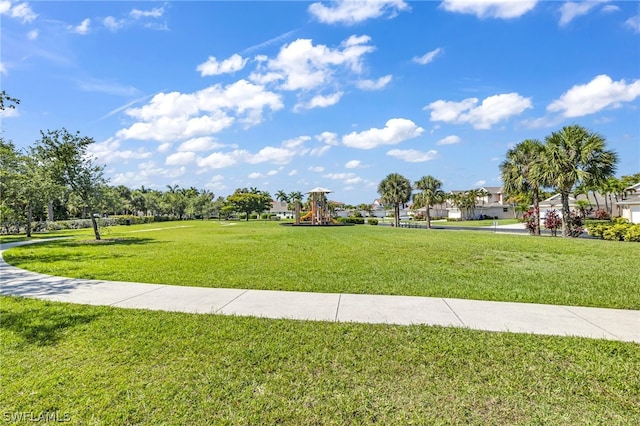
column 428, row 216
column 396, row 216
column 50, row 211
column 94, row 223
column 595, row 197
column 29, row 219
column 565, row 214
column 536, row 211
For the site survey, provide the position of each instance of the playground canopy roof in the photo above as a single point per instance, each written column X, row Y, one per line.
column 319, row 190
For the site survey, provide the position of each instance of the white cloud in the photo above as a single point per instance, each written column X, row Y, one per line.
column 317, row 169
column 220, row 160
column 273, row 155
column 204, row 143
column 33, row 34
column 212, row 67
column 9, row 112
column 147, row 174
column 153, row 13
column 174, row 116
column 112, row 23
column 374, row 84
column 272, row 172
column 413, row 155
column 180, row 159
column 598, row 94
column 254, row 175
column 633, row 23
column 571, row 10
column 3, row 69
column 108, row 87
column 292, row 173
column 302, row 65
column 505, row 9
column 610, row 8
column 348, row 178
column 109, row 152
column 354, row 11
column 319, row 101
column 216, row 182
column 83, row 28
column 352, row 164
column 329, row 138
column 449, row 140
column 164, row 147
column 492, row 110
column 480, row 183
column 428, row 57
column 21, row 11
column 395, row 131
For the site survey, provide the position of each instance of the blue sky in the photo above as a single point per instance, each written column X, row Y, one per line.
column 293, row 95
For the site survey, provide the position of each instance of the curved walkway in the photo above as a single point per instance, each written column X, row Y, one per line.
column 611, row 324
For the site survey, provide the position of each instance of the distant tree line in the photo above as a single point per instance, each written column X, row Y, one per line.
column 572, row 160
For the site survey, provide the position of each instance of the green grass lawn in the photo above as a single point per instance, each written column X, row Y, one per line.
column 107, row 366
column 355, row 259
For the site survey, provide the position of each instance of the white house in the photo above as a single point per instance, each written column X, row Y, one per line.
column 492, row 204
column 630, row 205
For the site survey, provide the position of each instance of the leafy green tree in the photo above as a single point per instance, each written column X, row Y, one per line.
column 7, row 101
column 572, row 156
column 395, row 190
column 202, row 204
column 431, row 193
column 520, row 173
column 249, row 201
column 69, row 164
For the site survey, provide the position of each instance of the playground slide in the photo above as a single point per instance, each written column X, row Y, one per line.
column 306, row 216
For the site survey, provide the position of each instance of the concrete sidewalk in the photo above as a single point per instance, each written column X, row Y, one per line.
column 611, row 324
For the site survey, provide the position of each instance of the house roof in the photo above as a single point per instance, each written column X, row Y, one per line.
column 635, row 188
column 631, row 200
column 493, row 189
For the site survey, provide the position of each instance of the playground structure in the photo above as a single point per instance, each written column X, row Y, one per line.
column 319, row 214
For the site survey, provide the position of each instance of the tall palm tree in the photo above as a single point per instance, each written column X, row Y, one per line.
column 282, row 196
column 572, row 156
column 395, row 189
column 520, row 172
column 431, row 194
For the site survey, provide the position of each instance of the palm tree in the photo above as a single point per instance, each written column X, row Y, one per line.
column 572, row 156
column 282, row 196
column 431, row 194
column 519, row 173
column 395, row 189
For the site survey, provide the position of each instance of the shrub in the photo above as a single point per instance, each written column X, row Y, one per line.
column 354, row 220
column 552, row 222
column 616, row 232
column 575, row 225
column 601, row 214
column 530, row 221
column 132, row 220
column 633, row 233
column 373, row 221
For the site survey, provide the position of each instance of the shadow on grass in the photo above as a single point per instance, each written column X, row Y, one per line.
column 42, row 250
column 45, row 326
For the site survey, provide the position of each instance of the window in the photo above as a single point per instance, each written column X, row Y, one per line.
column 505, row 209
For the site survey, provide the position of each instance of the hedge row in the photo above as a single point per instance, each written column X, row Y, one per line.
column 616, row 231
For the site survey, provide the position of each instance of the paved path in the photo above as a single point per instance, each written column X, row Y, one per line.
column 611, row 324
